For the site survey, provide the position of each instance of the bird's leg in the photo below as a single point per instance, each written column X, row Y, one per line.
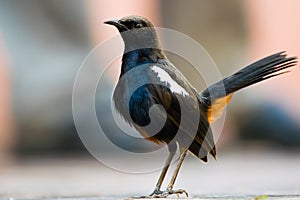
column 172, row 147
column 157, row 193
column 170, row 190
column 157, row 190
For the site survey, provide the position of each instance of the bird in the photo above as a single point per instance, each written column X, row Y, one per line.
column 161, row 83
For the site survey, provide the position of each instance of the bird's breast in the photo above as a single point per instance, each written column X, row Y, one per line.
column 133, row 105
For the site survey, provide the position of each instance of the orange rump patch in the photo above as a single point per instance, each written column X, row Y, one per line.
column 217, row 107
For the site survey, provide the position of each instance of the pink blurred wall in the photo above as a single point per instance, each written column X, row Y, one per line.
column 275, row 26
column 6, row 116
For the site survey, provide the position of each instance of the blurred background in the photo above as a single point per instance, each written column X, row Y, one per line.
column 42, row 45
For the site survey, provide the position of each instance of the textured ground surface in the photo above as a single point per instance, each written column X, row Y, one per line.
column 221, row 197
column 244, row 175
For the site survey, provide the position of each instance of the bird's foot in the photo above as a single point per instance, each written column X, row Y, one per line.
column 155, row 194
column 178, row 192
column 162, row 194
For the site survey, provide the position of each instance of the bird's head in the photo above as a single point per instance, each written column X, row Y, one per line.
column 130, row 23
column 136, row 31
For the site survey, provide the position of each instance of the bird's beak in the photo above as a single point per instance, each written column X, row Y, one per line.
column 121, row 27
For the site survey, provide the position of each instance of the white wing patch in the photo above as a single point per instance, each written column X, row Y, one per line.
column 165, row 77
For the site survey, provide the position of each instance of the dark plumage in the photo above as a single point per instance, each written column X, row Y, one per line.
column 165, row 85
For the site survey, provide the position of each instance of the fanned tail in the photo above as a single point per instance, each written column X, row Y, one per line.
column 261, row 70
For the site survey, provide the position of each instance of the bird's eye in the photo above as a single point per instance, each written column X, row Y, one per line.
column 138, row 25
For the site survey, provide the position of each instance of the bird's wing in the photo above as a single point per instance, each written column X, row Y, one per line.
column 172, row 85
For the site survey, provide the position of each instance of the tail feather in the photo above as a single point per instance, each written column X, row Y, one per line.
column 218, row 95
column 263, row 69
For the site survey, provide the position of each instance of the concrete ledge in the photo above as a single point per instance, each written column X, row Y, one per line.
column 219, row 197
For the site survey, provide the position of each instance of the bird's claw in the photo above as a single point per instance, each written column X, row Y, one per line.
column 171, row 191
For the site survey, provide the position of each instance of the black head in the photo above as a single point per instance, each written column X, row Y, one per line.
column 140, row 38
column 130, row 23
column 137, row 32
